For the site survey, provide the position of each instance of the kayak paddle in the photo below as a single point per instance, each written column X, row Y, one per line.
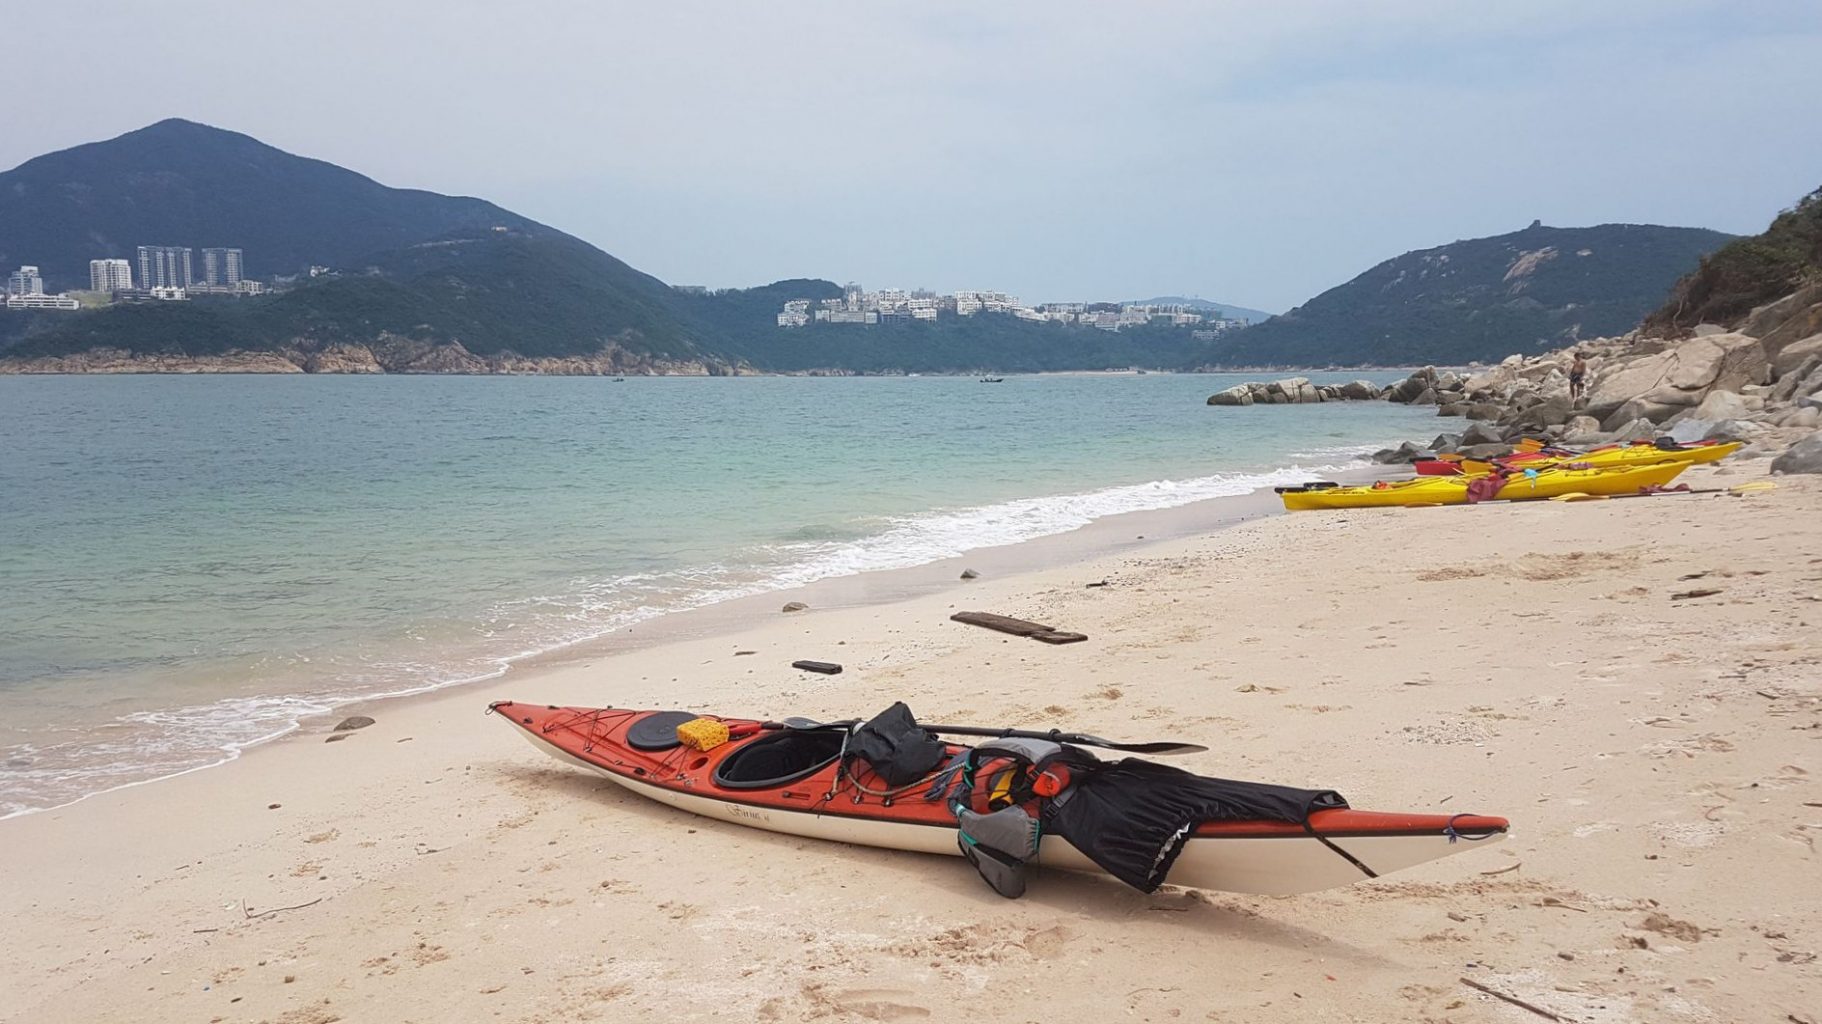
column 1077, row 738
column 1737, row 490
column 1053, row 735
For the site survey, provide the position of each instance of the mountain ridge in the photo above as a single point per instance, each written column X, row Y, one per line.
column 179, row 182
column 1483, row 298
column 430, row 283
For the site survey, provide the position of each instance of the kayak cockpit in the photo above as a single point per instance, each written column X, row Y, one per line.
column 780, row 759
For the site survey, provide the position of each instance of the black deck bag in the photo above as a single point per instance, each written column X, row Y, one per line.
column 899, row 750
column 1132, row 817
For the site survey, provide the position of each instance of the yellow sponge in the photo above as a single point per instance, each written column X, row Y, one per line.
column 702, row 734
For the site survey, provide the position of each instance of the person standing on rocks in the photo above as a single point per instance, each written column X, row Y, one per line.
column 1578, row 372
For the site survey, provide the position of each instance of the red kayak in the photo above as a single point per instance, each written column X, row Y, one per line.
column 796, row 780
column 1602, row 455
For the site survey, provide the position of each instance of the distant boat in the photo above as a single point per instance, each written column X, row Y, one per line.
column 619, row 380
column 992, row 380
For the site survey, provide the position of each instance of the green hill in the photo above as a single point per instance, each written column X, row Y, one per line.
column 1748, row 272
column 1484, row 298
column 502, row 292
column 182, row 183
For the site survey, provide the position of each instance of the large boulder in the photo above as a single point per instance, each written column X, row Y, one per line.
column 1360, row 390
column 1795, row 354
column 1733, row 430
column 1404, row 454
column 1236, row 395
column 1720, row 405
column 1625, row 379
column 1583, row 430
column 1546, row 412
column 1446, row 443
column 1724, row 361
column 1426, row 397
column 1638, row 409
column 1481, row 433
column 1289, row 386
column 1484, row 411
column 1307, row 392
column 1806, row 417
column 1803, row 457
column 1637, row 430
column 1797, row 315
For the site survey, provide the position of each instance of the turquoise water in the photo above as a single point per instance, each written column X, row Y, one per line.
column 190, row 564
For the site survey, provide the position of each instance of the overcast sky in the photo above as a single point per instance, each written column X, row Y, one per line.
column 1248, row 152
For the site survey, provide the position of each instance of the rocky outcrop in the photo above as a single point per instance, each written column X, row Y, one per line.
column 1759, row 382
column 387, row 353
column 117, row 360
column 1294, row 391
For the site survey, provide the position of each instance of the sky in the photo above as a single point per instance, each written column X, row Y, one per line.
column 1245, row 152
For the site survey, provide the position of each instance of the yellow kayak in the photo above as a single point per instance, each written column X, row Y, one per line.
column 1604, row 458
column 1453, row 490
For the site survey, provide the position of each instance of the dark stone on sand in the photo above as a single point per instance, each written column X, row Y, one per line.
column 795, row 606
column 1803, row 457
column 970, row 574
column 353, row 722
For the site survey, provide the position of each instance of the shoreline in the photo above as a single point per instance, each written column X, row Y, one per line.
column 1101, row 537
column 434, row 860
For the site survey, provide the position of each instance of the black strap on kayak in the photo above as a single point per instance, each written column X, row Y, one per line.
column 1343, row 854
column 1454, row 836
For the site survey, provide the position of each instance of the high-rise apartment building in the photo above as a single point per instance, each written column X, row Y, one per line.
column 221, row 269
column 24, row 281
column 110, row 276
column 164, row 266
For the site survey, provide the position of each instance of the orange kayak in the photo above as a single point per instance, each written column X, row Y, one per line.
column 789, row 780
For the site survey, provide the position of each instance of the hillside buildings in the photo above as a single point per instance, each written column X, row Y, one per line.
column 24, row 281
column 164, row 266
column 796, row 313
column 109, row 276
column 889, row 305
column 25, row 290
column 221, row 268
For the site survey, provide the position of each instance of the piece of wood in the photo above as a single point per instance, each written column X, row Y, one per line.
column 1057, row 636
column 1002, row 623
column 1698, row 592
column 827, row 668
column 1514, row 1000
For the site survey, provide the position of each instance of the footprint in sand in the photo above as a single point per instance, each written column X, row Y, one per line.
column 887, row 1004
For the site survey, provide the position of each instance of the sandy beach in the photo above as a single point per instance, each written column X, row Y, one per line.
column 1655, row 752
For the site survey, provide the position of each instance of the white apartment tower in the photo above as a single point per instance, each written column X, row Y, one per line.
column 24, row 281
column 221, row 269
column 164, row 266
column 110, row 276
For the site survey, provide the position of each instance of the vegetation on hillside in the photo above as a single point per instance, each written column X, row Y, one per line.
column 1747, row 272
column 542, row 295
column 181, row 183
column 1484, row 298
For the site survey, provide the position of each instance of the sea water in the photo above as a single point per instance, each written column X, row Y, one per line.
column 191, row 564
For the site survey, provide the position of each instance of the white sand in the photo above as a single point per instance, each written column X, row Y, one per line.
column 1657, row 758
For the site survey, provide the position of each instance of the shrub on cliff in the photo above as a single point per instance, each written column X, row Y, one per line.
column 1747, row 272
